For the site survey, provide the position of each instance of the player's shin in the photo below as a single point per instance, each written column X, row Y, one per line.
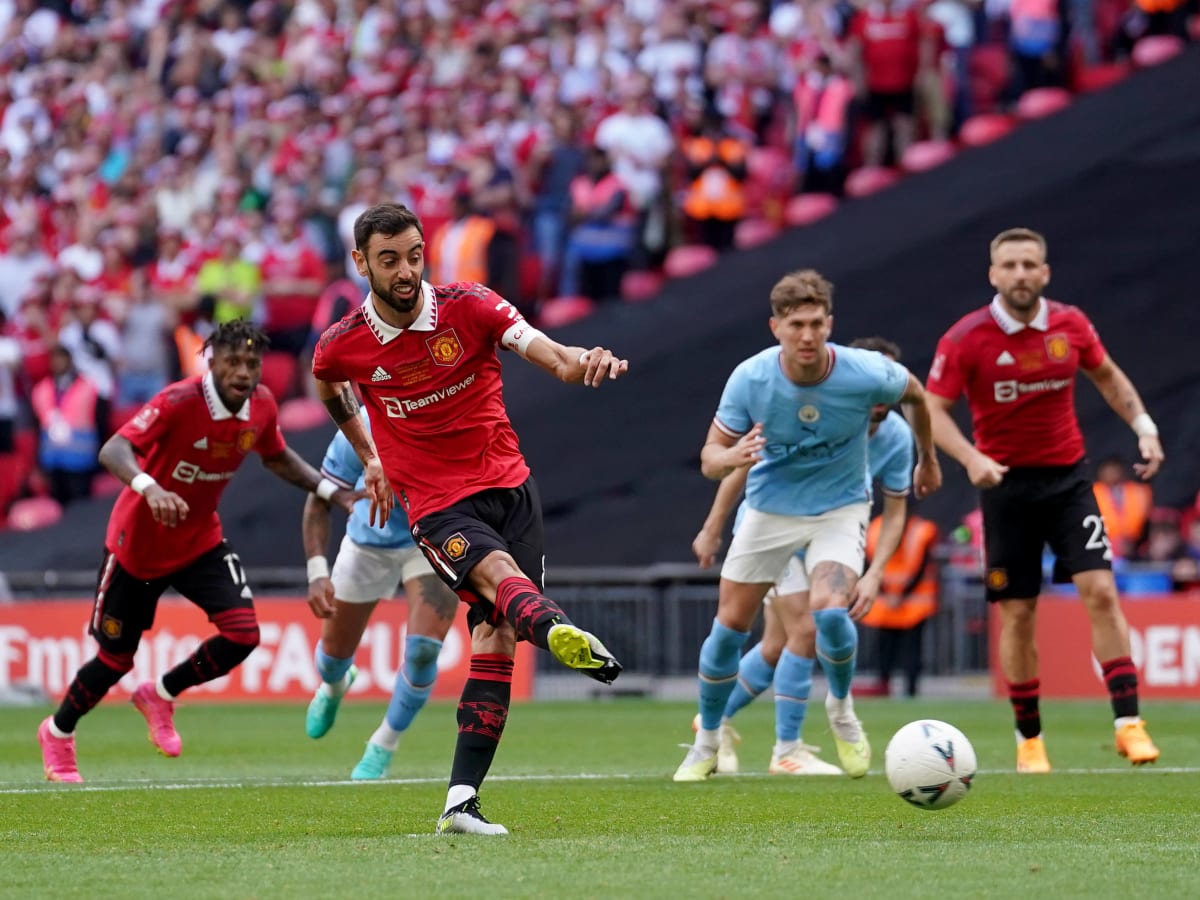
column 414, row 682
column 719, row 657
column 754, row 676
column 332, row 670
column 837, row 646
column 482, row 712
column 793, row 681
column 219, row 655
column 531, row 613
column 94, row 679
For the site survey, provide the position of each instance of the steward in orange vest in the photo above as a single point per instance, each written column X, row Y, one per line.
column 908, row 590
column 715, row 199
column 1124, row 505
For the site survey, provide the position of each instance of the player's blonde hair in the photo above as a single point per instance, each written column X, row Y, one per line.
column 801, row 288
column 1012, row 235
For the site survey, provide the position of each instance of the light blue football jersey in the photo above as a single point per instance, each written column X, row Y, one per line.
column 890, row 455
column 342, row 465
column 815, row 457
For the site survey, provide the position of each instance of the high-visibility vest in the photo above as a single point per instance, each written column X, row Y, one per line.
column 69, row 437
column 909, row 565
column 715, row 193
column 465, row 257
column 190, row 347
column 1159, row 6
column 1124, row 519
column 824, row 105
column 588, row 196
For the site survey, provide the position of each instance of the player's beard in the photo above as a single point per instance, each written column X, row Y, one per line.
column 383, row 290
column 1024, row 299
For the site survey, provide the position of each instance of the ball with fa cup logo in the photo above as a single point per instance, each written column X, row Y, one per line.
column 930, row 764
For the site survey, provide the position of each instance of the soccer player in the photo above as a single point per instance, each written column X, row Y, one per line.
column 370, row 564
column 890, row 459
column 800, row 412
column 425, row 358
column 1016, row 360
column 176, row 456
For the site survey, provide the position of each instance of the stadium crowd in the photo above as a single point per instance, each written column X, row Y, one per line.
column 166, row 165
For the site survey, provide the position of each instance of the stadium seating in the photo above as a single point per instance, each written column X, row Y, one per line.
column 106, row 485
column 984, row 129
column 1041, row 102
column 640, row 285
column 563, row 311
column 870, row 180
column 1100, row 77
column 689, row 259
column 33, row 513
column 754, row 233
column 301, row 414
column 804, row 209
column 925, row 155
column 279, row 373
column 1156, row 49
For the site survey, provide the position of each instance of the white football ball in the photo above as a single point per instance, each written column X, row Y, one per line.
column 930, row 764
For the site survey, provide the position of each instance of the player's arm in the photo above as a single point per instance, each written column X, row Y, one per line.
column 927, row 477
column 572, row 365
column 891, row 532
column 289, row 466
column 314, row 530
column 982, row 470
column 167, row 507
column 339, row 399
column 722, row 452
column 1119, row 393
column 708, row 541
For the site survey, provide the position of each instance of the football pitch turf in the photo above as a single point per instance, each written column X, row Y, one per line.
column 254, row 809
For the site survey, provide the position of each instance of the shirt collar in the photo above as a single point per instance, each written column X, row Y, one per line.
column 426, row 319
column 216, row 408
column 1010, row 325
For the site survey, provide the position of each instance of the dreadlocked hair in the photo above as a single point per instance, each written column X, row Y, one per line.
column 240, row 334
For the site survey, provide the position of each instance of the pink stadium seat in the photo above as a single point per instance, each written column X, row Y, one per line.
column 985, row 128
column 688, row 259
column 753, row 233
column 1193, row 27
column 925, row 155
column 769, row 165
column 987, row 75
column 564, row 310
column 641, row 285
column 1156, row 49
column 33, row 513
column 1099, row 77
column 106, row 485
column 301, row 414
column 279, row 373
column 804, row 209
column 1041, row 102
column 870, row 179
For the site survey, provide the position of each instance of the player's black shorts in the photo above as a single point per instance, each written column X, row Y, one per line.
column 125, row 604
column 457, row 538
column 881, row 104
column 1034, row 507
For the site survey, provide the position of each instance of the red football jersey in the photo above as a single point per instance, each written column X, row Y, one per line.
column 192, row 445
column 434, row 393
column 1019, row 380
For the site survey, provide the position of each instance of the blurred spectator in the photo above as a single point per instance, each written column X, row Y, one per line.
column 1125, row 505
column 22, row 261
column 601, row 239
column 957, row 20
column 1035, row 30
column 741, row 70
column 819, row 126
column 10, row 365
column 95, row 347
column 231, row 279
column 293, row 276
column 144, row 330
column 460, row 249
column 714, row 200
column 1185, row 571
column 555, row 165
column 69, row 437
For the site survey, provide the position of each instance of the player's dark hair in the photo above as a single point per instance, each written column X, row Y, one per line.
column 238, row 335
column 1012, row 235
column 801, row 288
column 388, row 219
column 879, row 345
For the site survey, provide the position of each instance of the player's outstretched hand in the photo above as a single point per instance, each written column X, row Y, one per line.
column 600, row 364
column 927, row 477
column 346, row 499
column 167, row 507
column 320, row 597
column 705, row 546
column 379, row 492
column 984, row 472
column 1152, row 452
column 863, row 596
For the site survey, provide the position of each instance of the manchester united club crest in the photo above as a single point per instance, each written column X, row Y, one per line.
column 111, row 627
column 456, row 546
column 997, row 579
column 246, row 438
column 1058, row 347
column 445, row 348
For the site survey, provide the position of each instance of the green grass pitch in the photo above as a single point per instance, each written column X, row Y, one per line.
column 254, row 809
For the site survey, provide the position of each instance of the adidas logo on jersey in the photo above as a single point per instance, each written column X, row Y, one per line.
column 380, row 374
column 201, row 444
column 1005, row 359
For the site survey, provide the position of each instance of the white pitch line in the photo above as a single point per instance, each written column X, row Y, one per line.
column 202, row 784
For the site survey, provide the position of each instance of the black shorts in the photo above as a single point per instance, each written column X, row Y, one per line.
column 457, row 538
column 882, row 104
column 125, row 604
column 1034, row 507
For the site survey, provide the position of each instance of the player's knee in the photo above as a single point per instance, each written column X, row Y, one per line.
column 421, row 652
column 118, row 662
column 239, row 626
column 501, row 638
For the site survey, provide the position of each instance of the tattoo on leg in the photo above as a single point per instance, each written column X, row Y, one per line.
column 343, row 407
column 438, row 597
column 832, row 579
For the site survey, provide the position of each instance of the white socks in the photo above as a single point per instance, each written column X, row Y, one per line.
column 336, row 688
column 162, row 691
column 387, row 737
column 458, row 793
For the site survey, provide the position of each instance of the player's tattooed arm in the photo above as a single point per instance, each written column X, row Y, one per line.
column 339, row 399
